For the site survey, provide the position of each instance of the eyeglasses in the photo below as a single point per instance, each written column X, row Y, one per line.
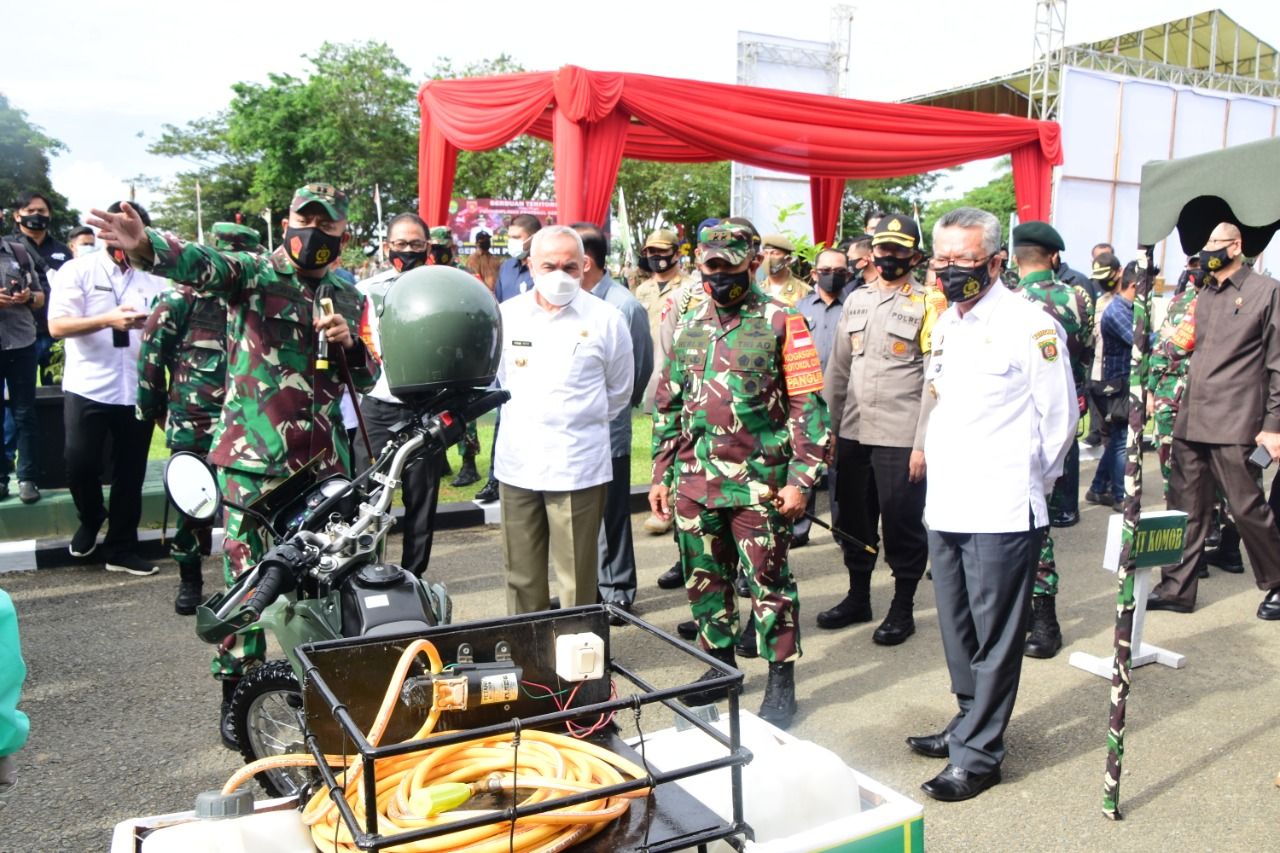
column 829, row 270
column 408, row 245
column 937, row 264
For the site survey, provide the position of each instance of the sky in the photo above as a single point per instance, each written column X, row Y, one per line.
column 109, row 82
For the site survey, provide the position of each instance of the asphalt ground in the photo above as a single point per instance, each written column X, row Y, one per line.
column 124, row 714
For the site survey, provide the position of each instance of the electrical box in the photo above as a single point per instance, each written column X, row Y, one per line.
column 579, row 657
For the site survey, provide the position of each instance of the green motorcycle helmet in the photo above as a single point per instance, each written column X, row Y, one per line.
column 440, row 330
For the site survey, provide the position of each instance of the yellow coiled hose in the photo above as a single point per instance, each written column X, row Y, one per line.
column 415, row 790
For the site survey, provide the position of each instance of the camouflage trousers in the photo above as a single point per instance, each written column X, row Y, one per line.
column 242, row 546
column 712, row 543
column 1046, row 569
column 469, row 445
column 1163, row 419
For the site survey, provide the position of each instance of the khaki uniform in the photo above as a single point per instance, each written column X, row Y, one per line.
column 655, row 296
column 789, row 292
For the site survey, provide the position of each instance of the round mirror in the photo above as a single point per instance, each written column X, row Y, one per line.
column 192, row 486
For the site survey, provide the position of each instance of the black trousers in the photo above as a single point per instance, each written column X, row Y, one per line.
column 617, row 553
column 419, row 491
column 88, row 426
column 982, row 583
column 873, row 489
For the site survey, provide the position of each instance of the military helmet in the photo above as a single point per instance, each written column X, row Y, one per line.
column 440, row 329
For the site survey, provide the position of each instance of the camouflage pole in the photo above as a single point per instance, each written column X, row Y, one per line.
column 1121, row 666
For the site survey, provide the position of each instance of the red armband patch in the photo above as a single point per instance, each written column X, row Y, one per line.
column 800, row 363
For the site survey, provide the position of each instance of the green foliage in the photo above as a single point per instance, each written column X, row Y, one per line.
column 24, row 165
column 806, row 250
column 521, row 169
column 672, row 194
column 995, row 197
column 887, row 195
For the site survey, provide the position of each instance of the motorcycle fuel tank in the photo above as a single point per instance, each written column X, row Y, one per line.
column 383, row 599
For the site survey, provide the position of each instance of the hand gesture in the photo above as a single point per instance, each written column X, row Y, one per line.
column 123, row 318
column 22, row 297
column 123, row 229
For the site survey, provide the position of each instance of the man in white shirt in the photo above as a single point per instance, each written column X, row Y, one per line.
column 567, row 361
column 98, row 303
column 1000, row 388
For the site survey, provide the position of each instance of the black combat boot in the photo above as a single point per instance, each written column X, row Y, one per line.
column 899, row 623
column 746, row 645
column 1227, row 555
column 468, row 473
column 779, row 705
column 856, row 606
column 226, row 725
column 190, row 587
column 712, row 694
column 1045, row 637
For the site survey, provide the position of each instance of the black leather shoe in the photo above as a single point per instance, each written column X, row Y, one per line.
column 846, row 613
column 1269, row 609
column 1227, row 555
column 672, row 578
column 954, row 784
column 931, row 746
column 896, row 627
column 1103, row 499
column 800, row 541
column 615, row 620
column 712, row 694
column 1064, row 519
column 1155, row 602
column 687, row 630
column 488, row 494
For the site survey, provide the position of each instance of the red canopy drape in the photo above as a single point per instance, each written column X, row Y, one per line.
column 595, row 118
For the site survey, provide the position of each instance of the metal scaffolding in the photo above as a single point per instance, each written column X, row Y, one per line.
column 1047, row 53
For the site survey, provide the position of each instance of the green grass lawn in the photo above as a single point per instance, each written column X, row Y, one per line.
column 641, row 431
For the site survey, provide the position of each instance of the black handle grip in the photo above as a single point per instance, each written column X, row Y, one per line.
column 268, row 589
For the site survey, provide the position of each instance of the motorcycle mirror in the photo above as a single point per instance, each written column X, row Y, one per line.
column 192, row 486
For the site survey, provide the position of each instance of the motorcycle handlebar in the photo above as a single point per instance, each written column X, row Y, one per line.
column 280, row 569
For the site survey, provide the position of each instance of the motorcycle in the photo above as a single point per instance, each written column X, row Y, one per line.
column 324, row 578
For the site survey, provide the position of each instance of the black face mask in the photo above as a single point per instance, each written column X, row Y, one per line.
column 657, row 263
column 727, row 288
column 1213, row 261
column 833, row 282
column 441, row 257
column 34, row 222
column 961, row 284
column 891, row 268
column 311, row 248
column 405, row 261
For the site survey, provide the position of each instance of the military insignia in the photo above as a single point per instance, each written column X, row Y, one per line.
column 322, row 255
column 583, row 333
column 1239, row 301
column 801, row 367
column 295, row 246
column 520, row 362
column 1214, row 263
column 894, row 225
column 971, row 288
column 855, row 342
column 898, row 348
column 1049, row 350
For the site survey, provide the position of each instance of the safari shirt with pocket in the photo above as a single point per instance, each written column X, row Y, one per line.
column 875, row 372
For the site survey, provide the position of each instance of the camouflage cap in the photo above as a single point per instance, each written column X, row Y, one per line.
column 234, row 237
column 661, row 239
column 778, row 241
column 330, row 197
column 895, row 230
column 729, row 242
column 1037, row 233
column 441, row 236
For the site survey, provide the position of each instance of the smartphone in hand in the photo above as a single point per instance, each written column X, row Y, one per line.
column 1261, row 457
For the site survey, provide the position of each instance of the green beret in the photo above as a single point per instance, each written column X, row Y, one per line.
column 1038, row 234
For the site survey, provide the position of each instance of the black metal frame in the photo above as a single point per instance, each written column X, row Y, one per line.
column 370, row 838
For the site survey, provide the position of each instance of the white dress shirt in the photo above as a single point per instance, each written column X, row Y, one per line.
column 87, row 286
column 1005, row 416
column 375, row 290
column 569, row 372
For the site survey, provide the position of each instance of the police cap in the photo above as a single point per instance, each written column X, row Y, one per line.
column 896, row 230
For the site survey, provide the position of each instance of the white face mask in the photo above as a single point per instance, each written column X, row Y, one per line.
column 557, row 287
column 515, row 247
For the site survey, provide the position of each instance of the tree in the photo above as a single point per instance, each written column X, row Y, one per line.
column 350, row 123
column 521, row 169
column 672, row 194
column 995, row 197
column 887, row 195
column 24, row 166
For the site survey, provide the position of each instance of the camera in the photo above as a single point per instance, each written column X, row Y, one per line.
column 12, row 279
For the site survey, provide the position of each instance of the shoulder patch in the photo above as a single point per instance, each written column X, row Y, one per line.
column 1049, row 349
column 801, row 366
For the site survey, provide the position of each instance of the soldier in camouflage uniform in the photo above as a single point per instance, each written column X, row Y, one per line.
column 1167, row 373
column 740, row 435
column 182, row 373
column 281, row 410
column 1037, row 245
column 442, row 254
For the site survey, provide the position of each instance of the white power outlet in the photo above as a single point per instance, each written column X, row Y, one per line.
column 579, row 657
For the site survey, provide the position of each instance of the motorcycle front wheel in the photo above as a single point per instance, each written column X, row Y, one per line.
column 265, row 710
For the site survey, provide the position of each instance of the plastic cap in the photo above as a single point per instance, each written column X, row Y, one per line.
column 215, row 805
